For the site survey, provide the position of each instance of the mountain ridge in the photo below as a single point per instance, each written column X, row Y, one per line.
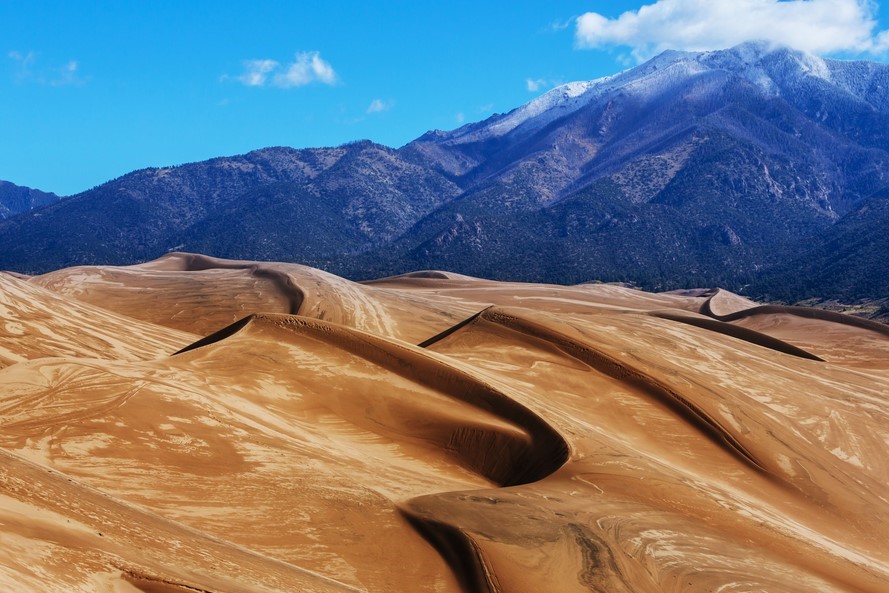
column 15, row 199
column 692, row 169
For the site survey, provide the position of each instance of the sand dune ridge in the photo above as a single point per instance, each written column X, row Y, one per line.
column 198, row 424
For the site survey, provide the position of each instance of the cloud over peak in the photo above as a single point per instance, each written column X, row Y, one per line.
column 306, row 68
column 817, row 26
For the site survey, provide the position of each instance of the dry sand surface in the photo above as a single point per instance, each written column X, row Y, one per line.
column 196, row 424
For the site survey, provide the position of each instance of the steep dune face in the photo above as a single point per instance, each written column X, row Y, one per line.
column 432, row 432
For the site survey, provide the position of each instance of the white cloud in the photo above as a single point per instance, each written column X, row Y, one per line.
column 460, row 117
column 378, row 106
column 256, row 72
column 66, row 75
column 24, row 59
column 883, row 41
column 534, row 84
column 538, row 84
column 817, row 26
column 30, row 71
column 556, row 26
column 307, row 67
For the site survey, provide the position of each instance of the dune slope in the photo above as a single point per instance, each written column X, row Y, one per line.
column 196, row 424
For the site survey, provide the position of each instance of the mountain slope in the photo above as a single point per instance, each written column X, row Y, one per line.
column 707, row 166
column 848, row 262
column 362, row 191
column 692, row 169
column 15, row 199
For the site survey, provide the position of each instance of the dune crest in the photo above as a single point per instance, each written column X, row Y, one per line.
column 197, row 424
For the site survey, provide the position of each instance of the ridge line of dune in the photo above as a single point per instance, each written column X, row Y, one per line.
column 295, row 295
column 423, row 367
column 738, row 332
column 454, row 328
column 612, row 367
column 194, row 262
column 804, row 312
column 459, row 551
column 135, row 578
column 219, row 335
column 507, row 461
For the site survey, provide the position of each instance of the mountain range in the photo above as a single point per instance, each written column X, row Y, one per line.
column 15, row 199
column 741, row 168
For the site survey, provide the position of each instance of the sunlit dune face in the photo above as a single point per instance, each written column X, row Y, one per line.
column 196, row 424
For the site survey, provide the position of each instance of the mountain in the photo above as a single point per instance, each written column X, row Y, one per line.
column 848, row 262
column 691, row 169
column 15, row 199
column 272, row 203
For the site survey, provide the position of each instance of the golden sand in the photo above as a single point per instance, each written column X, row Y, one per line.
column 196, row 424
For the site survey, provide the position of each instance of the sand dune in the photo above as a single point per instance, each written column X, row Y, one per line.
column 201, row 294
column 196, row 424
column 838, row 337
column 35, row 322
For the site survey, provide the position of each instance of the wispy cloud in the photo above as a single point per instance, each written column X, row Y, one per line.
column 538, row 84
column 818, row 26
column 67, row 74
column 460, row 117
column 557, row 26
column 378, row 106
column 25, row 61
column 256, row 72
column 306, row 68
column 534, row 84
column 29, row 71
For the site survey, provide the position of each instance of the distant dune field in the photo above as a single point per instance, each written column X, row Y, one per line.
column 194, row 424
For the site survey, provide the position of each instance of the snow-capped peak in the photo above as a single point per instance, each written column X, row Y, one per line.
column 768, row 66
column 555, row 103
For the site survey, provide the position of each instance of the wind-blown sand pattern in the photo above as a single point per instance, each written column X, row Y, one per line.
column 196, row 424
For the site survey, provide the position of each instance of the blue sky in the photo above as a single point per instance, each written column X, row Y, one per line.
column 92, row 90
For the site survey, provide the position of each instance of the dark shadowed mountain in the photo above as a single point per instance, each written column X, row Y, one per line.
column 275, row 203
column 692, row 169
column 15, row 199
column 849, row 262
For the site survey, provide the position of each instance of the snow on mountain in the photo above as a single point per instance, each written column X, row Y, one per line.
column 774, row 70
column 691, row 169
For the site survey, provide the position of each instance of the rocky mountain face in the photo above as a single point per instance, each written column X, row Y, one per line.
column 15, row 199
column 692, row 169
column 848, row 263
column 275, row 203
column 695, row 168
